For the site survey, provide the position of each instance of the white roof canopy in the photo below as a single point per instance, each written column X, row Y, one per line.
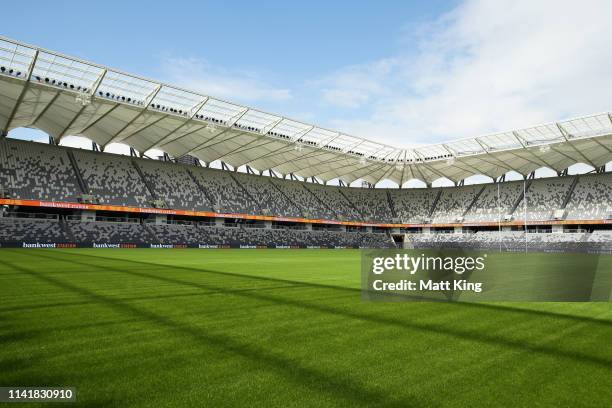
column 64, row 96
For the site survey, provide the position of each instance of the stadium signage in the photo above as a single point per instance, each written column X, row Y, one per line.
column 95, row 245
column 168, row 246
column 39, row 245
column 147, row 210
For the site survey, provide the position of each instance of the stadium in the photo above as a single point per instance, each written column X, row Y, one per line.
column 175, row 282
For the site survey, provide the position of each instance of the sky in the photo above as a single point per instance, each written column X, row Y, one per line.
column 398, row 72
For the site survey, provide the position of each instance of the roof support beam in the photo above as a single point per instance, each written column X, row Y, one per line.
column 431, row 169
column 391, row 168
column 365, row 166
column 518, row 156
column 93, row 123
column 385, row 174
column 67, row 127
column 257, row 139
column 240, row 149
column 142, row 128
column 566, row 136
column 21, row 94
column 98, row 81
column 251, row 148
column 471, row 169
column 403, row 170
column 457, row 161
column 422, row 176
column 216, row 143
column 203, row 144
column 47, row 106
column 314, row 153
column 601, row 144
column 163, row 141
column 361, row 175
column 571, row 158
column 530, row 152
column 149, row 99
column 286, row 148
column 92, row 93
column 271, row 127
column 292, row 146
column 229, row 127
column 335, row 160
column 487, row 149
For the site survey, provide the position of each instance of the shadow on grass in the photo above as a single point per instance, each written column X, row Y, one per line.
column 338, row 387
column 13, row 378
column 12, row 335
column 485, row 306
column 141, row 298
column 480, row 336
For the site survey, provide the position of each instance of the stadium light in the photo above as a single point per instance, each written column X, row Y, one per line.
column 544, row 149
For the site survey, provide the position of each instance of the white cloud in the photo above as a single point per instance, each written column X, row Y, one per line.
column 486, row 66
column 355, row 86
column 197, row 74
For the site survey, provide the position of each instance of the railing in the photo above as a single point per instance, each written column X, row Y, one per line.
column 99, row 218
column 38, row 216
column 255, row 226
column 287, row 227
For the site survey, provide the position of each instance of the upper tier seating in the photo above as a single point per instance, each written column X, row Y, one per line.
column 37, row 171
column 495, row 201
column 372, row 203
column 112, row 179
column 226, row 194
column 172, row 183
column 413, row 205
column 544, row 197
column 43, row 172
column 453, row 202
column 332, row 196
column 269, row 198
column 311, row 206
column 592, row 198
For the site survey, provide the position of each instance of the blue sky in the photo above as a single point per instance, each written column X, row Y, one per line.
column 400, row 72
column 279, row 46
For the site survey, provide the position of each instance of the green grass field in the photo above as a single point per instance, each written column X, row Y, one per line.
column 169, row 328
